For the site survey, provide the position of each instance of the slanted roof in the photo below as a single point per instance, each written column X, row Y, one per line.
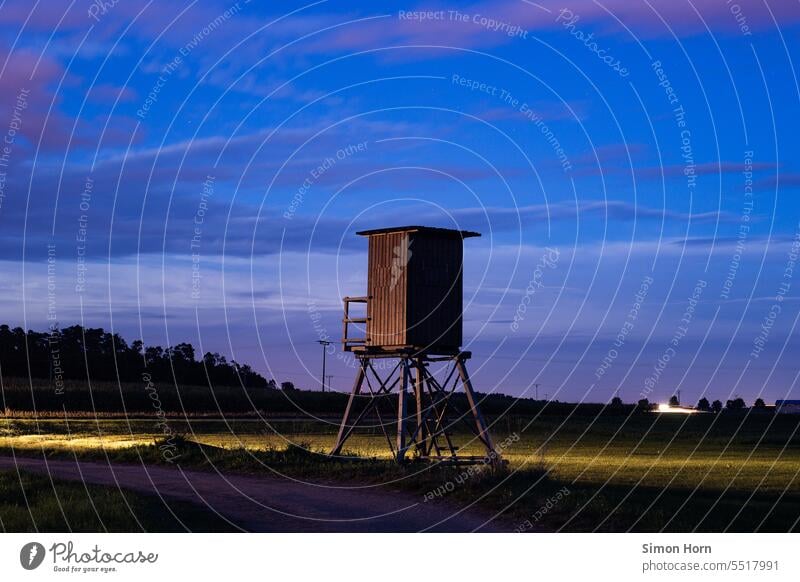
column 427, row 229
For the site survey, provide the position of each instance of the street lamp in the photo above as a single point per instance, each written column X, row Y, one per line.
column 324, row 344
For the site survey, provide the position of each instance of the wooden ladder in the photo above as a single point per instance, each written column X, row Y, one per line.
column 348, row 342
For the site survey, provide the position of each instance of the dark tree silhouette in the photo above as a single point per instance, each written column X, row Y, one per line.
column 643, row 404
column 716, row 406
column 759, row 403
column 93, row 354
column 616, row 401
column 703, row 404
column 673, row 401
column 735, row 404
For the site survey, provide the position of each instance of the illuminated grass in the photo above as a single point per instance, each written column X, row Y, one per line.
column 595, row 458
column 640, row 476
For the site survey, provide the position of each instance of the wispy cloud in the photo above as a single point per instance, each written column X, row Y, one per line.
column 612, row 210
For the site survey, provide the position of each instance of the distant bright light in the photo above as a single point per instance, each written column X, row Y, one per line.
column 675, row 409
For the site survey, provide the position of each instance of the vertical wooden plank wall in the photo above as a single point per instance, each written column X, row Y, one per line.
column 387, row 287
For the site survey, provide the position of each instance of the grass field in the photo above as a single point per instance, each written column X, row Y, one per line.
column 746, row 454
column 642, row 471
column 34, row 503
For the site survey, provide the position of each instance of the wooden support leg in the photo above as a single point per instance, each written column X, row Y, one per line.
column 401, row 413
column 343, row 429
column 480, row 423
column 419, row 388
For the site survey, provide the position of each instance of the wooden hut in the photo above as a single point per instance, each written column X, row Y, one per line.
column 413, row 314
column 414, row 296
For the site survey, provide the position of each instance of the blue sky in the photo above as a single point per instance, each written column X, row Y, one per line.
column 196, row 172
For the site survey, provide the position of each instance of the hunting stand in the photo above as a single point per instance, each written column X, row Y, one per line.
column 414, row 316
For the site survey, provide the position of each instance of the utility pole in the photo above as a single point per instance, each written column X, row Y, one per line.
column 329, row 382
column 324, row 344
column 536, row 391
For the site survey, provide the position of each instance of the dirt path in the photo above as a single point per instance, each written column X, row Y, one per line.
column 272, row 504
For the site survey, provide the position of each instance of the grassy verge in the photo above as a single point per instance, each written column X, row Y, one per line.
column 34, row 503
column 646, row 472
column 530, row 499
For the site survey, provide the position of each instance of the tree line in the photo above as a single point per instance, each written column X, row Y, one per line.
column 82, row 353
column 703, row 404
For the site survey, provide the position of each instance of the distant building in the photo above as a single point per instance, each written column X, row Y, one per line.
column 787, row 406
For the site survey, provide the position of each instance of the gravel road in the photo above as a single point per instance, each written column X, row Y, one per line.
column 272, row 503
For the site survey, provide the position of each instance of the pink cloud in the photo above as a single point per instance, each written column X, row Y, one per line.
column 46, row 16
column 613, row 158
column 29, row 101
column 683, row 17
column 780, row 180
column 642, row 17
column 686, row 17
column 26, row 90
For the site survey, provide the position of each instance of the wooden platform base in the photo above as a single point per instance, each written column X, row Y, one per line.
column 428, row 430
